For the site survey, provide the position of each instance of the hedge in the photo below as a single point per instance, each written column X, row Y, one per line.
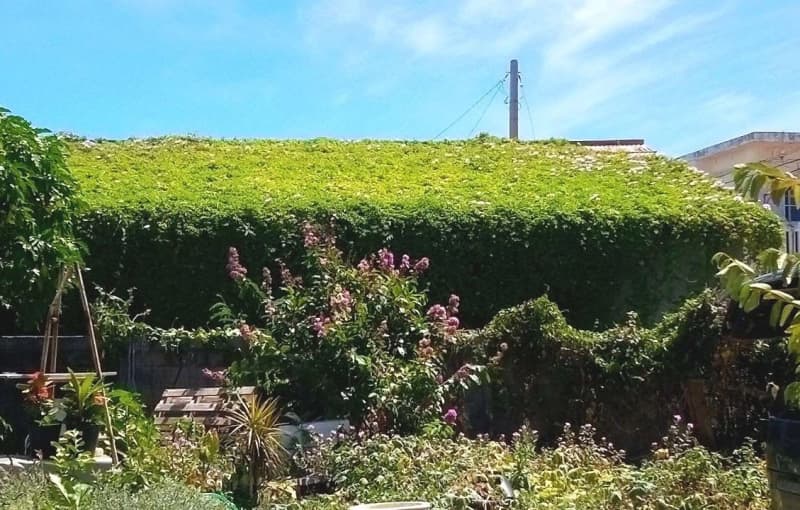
column 628, row 380
column 501, row 221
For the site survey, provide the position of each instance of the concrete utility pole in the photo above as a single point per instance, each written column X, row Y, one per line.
column 513, row 101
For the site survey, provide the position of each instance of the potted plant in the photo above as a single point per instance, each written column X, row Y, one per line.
column 37, row 393
column 81, row 408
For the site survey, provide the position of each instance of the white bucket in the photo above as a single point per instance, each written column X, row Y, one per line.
column 394, row 505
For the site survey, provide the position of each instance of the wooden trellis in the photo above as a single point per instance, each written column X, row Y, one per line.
column 50, row 342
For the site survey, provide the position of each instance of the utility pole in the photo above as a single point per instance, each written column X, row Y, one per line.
column 513, row 101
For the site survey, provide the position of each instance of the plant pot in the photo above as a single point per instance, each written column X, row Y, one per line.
column 394, row 505
column 41, row 439
column 90, row 433
column 783, row 462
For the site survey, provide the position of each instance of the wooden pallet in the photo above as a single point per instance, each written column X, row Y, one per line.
column 205, row 406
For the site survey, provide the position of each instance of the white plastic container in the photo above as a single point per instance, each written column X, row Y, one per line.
column 394, row 505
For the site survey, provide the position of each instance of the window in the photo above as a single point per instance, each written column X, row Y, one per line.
column 790, row 210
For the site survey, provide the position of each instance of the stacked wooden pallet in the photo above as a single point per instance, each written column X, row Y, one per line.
column 206, row 406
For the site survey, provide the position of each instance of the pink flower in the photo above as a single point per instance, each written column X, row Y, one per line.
column 310, row 236
column 451, row 416
column 287, row 279
column 247, row 332
column 462, row 373
column 217, row 376
column 405, row 263
column 341, row 302
column 451, row 325
column 320, row 325
column 437, row 313
column 386, row 259
column 364, row 266
column 453, row 303
column 236, row 271
column 422, row 265
column 266, row 280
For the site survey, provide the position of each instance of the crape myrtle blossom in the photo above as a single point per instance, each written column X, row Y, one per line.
column 217, row 376
column 236, row 271
column 450, row 416
column 453, row 303
column 386, row 259
column 405, row 264
column 341, row 302
column 422, row 265
column 320, row 325
column 437, row 313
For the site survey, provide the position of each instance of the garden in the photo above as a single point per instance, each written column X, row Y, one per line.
column 480, row 324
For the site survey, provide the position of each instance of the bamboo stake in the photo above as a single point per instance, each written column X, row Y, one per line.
column 55, row 320
column 52, row 312
column 96, row 360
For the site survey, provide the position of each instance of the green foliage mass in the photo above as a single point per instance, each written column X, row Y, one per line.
column 581, row 472
column 501, row 221
column 628, row 379
column 37, row 203
column 35, row 491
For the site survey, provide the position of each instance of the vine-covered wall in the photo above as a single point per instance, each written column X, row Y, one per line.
column 501, row 221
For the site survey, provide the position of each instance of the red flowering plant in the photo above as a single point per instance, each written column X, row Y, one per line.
column 37, row 393
column 344, row 341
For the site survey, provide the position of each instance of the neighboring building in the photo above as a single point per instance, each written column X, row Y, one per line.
column 629, row 145
column 777, row 148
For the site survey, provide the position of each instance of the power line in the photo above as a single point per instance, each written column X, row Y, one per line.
column 476, row 103
column 527, row 106
column 497, row 89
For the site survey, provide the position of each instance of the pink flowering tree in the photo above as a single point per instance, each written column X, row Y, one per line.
column 358, row 341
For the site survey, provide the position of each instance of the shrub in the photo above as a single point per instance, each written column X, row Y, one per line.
column 37, row 204
column 34, row 491
column 581, row 471
column 549, row 372
column 629, row 378
column 344, row 341
column 503, row 221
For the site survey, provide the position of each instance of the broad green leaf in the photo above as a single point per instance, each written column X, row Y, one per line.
column 791, row 394
column 775, row 313
column 752, row 302
column 787, row 311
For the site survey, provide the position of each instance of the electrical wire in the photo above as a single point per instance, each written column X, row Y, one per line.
column 527, row 106
column 497, row 89
column 476, row 103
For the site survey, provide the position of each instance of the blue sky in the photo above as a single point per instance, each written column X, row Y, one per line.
column 680, row 74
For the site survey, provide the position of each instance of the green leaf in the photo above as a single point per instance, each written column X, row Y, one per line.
column 791, row 395
column 752, row 302
column 787, row 311
column 775, row 313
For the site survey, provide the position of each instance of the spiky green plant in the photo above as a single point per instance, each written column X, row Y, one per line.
column 257, row 439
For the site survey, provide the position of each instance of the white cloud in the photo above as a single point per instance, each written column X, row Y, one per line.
column 580, row 58
column 592, row 21
column 478, row 27
column 730, row 107
column 427, row 36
